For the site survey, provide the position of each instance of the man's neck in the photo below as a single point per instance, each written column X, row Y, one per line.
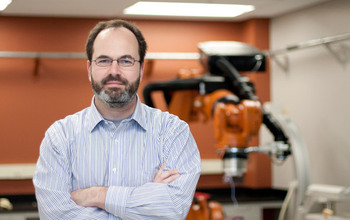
column 115, row 113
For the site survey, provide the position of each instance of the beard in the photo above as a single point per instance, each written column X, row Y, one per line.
column 115, row 97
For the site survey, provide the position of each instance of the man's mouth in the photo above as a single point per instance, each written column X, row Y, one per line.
column 114, row 83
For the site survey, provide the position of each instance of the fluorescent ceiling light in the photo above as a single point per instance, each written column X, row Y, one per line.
column 4, row 4
column 187, row 9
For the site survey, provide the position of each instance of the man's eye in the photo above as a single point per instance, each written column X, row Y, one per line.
column 125, row 61
column 103, row 61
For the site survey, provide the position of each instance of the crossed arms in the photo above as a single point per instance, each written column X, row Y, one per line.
column 95, row 196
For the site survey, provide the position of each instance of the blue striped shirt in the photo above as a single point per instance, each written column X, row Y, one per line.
column 85, row 150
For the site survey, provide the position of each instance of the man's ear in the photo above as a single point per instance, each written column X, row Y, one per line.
column 88, row 66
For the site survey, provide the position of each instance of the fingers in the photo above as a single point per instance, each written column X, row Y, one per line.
column 167, row 176
column 171, row 178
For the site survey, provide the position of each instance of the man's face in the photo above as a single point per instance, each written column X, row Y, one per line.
column 115, row 85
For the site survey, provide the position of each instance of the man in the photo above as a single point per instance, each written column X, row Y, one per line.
column 118, row 158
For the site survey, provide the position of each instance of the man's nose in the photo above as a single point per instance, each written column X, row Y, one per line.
column 115, row 68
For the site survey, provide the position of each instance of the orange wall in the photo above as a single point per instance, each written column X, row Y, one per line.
column 32, row 100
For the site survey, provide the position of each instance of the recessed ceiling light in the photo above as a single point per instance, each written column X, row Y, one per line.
column 4, row 4
column 187, row 9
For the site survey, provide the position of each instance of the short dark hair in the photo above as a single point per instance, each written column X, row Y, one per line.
column 89, row 47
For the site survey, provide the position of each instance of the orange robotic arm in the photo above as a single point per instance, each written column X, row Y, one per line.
column 230, row 101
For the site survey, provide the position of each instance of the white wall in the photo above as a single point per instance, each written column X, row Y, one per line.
column 315, row 90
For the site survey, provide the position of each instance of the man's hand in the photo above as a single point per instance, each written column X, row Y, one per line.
column 90, row 197
column 167, row 176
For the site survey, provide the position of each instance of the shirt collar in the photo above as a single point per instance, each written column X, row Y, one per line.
column 138, row 115
column 95, row 117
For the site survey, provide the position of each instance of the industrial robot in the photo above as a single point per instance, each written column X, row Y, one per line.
column 228, row 98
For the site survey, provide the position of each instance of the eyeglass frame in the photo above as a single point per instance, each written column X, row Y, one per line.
column 128, row 58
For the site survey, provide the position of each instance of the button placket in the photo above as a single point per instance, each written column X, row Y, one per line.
column 113, row 158
column 112, row 161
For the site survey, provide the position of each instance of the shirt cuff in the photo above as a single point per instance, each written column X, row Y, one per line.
column 116, row 199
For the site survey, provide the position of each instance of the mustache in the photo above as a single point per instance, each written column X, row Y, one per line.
column 117, row 78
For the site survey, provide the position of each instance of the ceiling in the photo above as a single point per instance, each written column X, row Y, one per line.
column 114, row 8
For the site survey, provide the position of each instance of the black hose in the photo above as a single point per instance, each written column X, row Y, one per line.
column 244, row 91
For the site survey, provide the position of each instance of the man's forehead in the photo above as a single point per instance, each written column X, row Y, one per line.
column 115, row 42
column 115, row 31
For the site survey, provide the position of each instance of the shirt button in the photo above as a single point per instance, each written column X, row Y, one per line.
column 114, row 170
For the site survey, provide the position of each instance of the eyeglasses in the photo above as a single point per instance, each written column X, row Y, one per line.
column 123, row 61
